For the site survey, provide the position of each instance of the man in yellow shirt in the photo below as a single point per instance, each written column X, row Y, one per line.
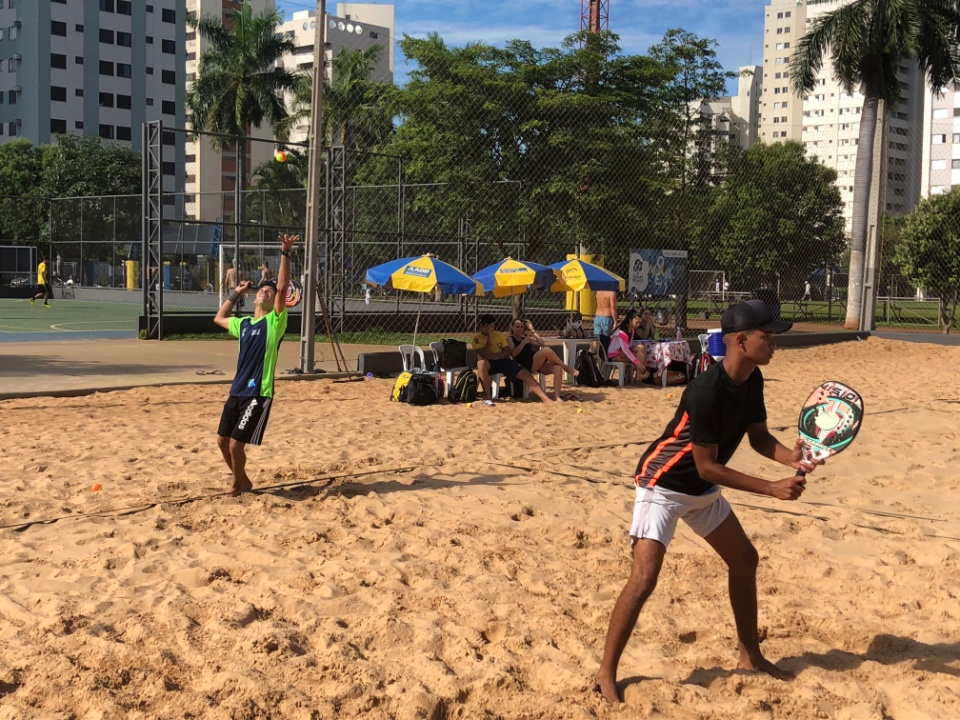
column 43, row 283
column 493, row 357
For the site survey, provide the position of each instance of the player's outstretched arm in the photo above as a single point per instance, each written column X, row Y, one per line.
column 223, row 314
column 283, row 274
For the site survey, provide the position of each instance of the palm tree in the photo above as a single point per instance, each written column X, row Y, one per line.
column 353, row 104
column 240, row 84
column 868, row 41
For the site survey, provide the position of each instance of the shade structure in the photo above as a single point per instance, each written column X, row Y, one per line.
column 577, row 275
column 422, row 274
column 514, row 277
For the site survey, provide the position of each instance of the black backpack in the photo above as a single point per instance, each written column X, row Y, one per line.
column 454, row 354
column 423, row 390
column 589, row 370
column 466, row 387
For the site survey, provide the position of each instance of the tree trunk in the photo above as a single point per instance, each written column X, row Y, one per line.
column 863, row 175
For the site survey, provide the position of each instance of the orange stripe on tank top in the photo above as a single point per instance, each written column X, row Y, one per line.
column 670, row 463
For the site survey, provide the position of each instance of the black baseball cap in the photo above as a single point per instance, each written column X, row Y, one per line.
column 272, row 282
column 751, row 315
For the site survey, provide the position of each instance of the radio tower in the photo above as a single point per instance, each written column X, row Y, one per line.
column 595, row 15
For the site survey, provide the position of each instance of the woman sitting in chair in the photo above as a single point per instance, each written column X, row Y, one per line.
column 528, row 349
column 620, row 349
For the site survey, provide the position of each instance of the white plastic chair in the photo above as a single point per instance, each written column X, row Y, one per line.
column 413, row 358
column 541, row 378
column 608, row 366
column 450, row 373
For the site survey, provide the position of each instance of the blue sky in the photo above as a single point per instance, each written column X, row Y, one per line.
column 736, row 25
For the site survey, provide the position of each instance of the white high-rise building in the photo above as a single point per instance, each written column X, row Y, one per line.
column 210, row 174
column 357, row 26
column 735, row 117
column 940, row 171
column 827, row 121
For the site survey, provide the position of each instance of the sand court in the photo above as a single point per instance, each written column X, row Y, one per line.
column 446, row 562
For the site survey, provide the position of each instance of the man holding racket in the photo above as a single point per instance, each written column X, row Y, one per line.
column 245, row 414
column 680, row 475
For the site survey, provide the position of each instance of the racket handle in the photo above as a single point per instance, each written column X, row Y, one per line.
column 800, row 473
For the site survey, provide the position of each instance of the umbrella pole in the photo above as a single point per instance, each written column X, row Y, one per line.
column 416, row 324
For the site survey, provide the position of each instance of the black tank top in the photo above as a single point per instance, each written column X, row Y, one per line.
column 525, row 358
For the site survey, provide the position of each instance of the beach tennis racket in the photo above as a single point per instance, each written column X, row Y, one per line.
column 294, row 294
column 829, row 420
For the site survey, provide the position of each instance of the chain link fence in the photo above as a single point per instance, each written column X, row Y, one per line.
column 542, row 155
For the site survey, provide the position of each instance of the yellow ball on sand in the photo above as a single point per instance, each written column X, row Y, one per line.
column 281, row 156
column 670, row 395
column 469, row 404
column 579, row 410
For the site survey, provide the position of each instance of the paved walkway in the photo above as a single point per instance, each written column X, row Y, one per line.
column 78, row 367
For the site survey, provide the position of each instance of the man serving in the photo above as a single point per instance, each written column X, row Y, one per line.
column 245, row 414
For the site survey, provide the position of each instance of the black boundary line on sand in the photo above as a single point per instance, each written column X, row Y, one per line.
column 119, row 512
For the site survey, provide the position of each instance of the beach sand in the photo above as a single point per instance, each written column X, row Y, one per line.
column 453, row 562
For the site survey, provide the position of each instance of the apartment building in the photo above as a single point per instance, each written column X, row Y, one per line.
column 211, row 175
column 735, row 118
column 940, row 169
column 101, row 67
column 357, row 26
column 827, row 120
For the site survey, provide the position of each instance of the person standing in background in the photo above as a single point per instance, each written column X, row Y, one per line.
column 44, row 283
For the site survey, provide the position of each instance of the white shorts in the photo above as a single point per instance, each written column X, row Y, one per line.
column 657, row 510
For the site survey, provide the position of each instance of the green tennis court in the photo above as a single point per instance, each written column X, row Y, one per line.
column 66, row 319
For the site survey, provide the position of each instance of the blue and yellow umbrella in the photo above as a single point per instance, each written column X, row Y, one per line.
column 577, row 275
column 514, row 277
column 422, row 274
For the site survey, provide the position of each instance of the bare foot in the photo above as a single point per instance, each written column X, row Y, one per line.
column 765, row 666
column 243, row 486
column 607, row 687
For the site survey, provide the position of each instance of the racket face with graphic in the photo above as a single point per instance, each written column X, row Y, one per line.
column 294, row 294
column 830, row 419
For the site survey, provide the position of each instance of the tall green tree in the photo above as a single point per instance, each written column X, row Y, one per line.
column 80, row 173
column 523, row 150
column 928, row 251
column 777, row 216
column 240, row 83
column 23, row 211
column 867, row 42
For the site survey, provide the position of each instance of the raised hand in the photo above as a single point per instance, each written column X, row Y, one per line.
column 288, row 241
column 243, row 287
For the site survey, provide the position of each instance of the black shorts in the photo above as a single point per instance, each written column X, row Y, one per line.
column 46, row 288
column 506, row 366
column 245, row 418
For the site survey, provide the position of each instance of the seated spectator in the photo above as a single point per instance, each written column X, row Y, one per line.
column 647, row 330
column 619, row 349
column 494, row 356
column 528, row 349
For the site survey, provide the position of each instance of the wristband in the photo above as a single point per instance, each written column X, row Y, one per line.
column 233, row 296
column 285, row 253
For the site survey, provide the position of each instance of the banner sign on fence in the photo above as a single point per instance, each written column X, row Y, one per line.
column 657, row 273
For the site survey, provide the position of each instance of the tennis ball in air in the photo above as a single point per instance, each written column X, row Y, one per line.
column 281, row 156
